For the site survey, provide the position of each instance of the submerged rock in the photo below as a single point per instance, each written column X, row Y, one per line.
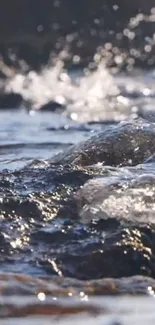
column 127, row 198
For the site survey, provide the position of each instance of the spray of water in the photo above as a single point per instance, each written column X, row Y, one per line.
column 95, row 94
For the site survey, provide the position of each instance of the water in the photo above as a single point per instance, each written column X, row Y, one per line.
column 77, row 229
column 25, row 137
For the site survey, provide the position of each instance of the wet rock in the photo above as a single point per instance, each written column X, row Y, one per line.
column 128, row 248
column 42, row 228
column 121, row 145
column 72, row 218
column 10, row 101
column 52, row 106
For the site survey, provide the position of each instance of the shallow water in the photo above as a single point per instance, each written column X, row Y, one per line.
column 63, row 221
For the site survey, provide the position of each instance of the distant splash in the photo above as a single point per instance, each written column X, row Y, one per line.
column 81, row 94
column 98, row 95
column 97, row 92
column 100, row 91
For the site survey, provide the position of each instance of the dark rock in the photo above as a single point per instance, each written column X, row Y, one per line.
column 10, row 101
column 52, row 106
column 124, row 144
column 126, row 248
column 40, row 222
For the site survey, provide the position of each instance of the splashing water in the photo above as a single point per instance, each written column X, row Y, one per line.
column 37, row 237
column 97, row 95
column 86, row 92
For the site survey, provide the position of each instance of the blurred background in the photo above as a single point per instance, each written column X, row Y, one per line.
column 37, row 31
